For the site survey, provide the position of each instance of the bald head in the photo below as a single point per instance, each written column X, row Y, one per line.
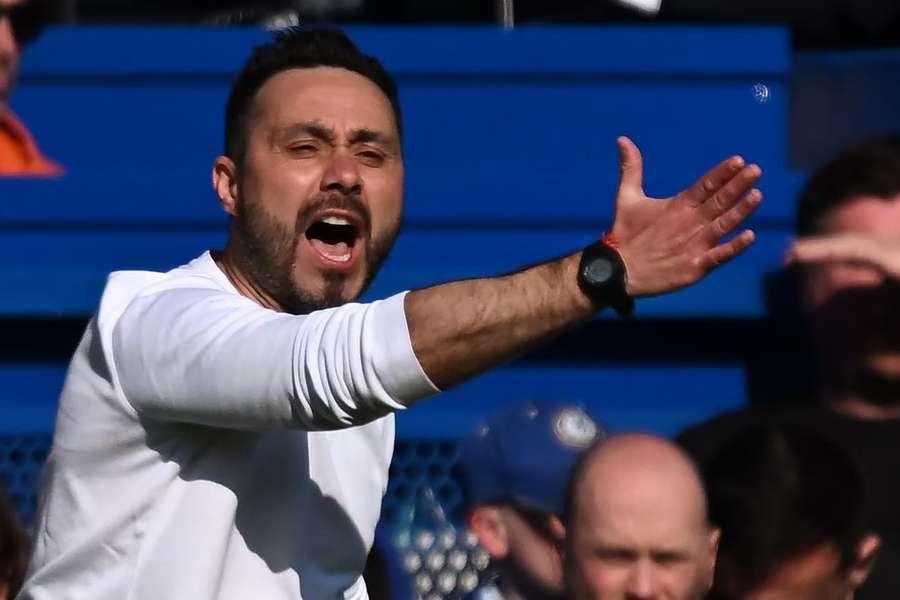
column 638, row 523
column 640, row 473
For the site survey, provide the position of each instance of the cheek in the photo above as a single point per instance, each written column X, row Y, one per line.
column 385, row 195
column 603, row 578
column 686, row 579
column 279, row 186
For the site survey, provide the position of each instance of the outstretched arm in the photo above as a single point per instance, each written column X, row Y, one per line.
column 189, row 352
column 463, row 328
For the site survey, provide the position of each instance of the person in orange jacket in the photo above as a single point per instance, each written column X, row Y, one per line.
column 20, row 20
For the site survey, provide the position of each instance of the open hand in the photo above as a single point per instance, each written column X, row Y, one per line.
column 667, row 244
column 879, row 253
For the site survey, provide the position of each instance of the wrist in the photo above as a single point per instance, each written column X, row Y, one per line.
column 603, row 277
column 585, row 305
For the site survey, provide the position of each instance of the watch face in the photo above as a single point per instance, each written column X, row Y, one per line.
column 598, row 271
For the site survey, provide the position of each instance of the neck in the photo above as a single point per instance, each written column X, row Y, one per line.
column 853, row 405
column 242, row 281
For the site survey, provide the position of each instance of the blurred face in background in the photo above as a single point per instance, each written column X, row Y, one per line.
column 853, row 308
column 524, row 545
column 9, row 51
column 634, row 554
column 638, row 530
column 317, row 198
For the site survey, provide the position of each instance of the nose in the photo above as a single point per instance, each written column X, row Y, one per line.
column 342, row 175
column 642, row 582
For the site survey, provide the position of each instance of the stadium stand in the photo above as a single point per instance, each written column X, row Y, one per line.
column 510, row 159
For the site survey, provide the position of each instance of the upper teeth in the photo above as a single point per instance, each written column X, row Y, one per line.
column 333, row 220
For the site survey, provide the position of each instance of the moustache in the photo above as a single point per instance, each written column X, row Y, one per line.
column 350, row 203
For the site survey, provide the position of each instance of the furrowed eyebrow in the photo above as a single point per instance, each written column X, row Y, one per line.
column 364, row 136
column 310, row 128
column 669, row 555
column 615, row 551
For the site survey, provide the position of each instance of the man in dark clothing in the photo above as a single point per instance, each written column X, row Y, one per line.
column 847, row 260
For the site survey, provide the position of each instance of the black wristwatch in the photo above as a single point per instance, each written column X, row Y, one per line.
column 601, row 276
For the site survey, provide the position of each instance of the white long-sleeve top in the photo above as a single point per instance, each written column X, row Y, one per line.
column 207, row 448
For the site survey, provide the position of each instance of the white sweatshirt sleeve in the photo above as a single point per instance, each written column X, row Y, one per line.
column 203, row 356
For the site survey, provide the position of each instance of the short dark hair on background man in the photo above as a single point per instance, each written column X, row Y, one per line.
column 778, row 493
column 296, row 48
column 870, row 168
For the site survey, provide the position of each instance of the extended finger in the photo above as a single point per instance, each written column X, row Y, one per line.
column 632, row 165
column 733, row 217
column 721, row 254
column 714, row 179
column 729, row 194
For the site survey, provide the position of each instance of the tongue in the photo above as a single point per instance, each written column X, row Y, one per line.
column 338, row 250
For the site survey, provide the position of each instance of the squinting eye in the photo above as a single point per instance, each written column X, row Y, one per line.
column 614, row 556
column 303, row 149
column 371, row 157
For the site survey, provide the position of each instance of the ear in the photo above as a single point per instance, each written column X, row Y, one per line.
column 866, row 553
column 557, row 530
column 715, row 535
column 4, row 590
column 487, row 524
column 224, row 180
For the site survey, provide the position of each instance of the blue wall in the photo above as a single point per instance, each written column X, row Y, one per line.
column 510, row 158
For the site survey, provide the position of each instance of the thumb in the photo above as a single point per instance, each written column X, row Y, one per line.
column 632, row 176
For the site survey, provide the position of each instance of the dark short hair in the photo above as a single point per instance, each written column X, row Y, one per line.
column 870, row 168
column 778, row 492
column 296, row 48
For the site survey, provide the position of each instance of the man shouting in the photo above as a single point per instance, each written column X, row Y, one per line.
column 225, row 429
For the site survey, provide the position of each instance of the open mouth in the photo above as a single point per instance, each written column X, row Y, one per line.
column 334, row 237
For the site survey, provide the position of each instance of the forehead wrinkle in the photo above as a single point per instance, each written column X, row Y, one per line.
column 314, row 128
column 346, row 85
column 863, row 214
column 624, row 525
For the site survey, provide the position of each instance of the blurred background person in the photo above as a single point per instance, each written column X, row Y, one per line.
column 20, row 22
column 13, row 550
column 790, row 505
column 637, row 524
column 848, row 287
column 516, row 467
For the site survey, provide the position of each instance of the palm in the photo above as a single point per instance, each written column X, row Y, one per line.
column 668, row 244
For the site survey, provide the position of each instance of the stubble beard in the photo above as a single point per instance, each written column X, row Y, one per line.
column 265, row 250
